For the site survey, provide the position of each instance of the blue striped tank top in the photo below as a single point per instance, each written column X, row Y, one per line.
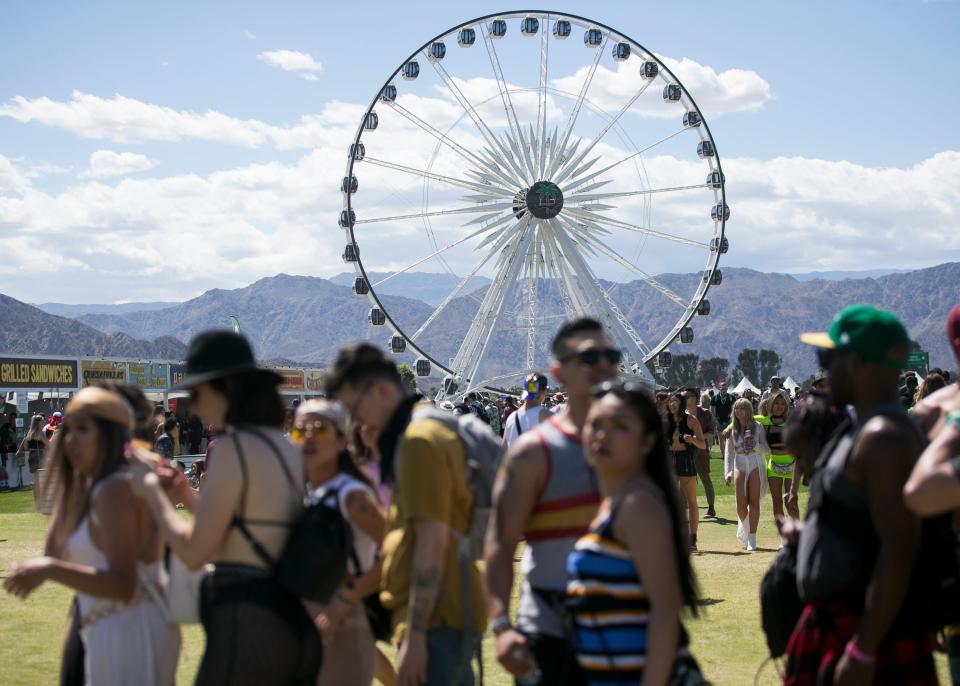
column 609, row 608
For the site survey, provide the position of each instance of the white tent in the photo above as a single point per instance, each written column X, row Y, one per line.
column 790, row 384
column 744, row 385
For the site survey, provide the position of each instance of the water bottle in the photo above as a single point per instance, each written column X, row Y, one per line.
column 531, row 678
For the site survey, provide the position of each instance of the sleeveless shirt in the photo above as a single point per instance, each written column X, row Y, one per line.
column 563, row 512
column 610, row 608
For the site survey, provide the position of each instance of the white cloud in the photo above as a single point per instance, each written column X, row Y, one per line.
column 250, row 34
column 732, row 90
column 127, row 120
column 107, row 163
column 301, row 63
column 12, row 179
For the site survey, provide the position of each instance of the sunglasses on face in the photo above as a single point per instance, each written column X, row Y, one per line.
column 299, row 434
column 594, row 355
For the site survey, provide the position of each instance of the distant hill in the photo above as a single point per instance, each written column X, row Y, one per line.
column 841, row 275
column 429, row 287
column 306, row 319
column 74, row 311
column 26, row 329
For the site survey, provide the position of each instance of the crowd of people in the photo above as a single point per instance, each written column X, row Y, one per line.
column 596, row 489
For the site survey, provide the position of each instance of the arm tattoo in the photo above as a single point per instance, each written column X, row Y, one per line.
column 426, row 583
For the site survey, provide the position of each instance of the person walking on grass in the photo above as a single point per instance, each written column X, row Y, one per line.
column 858, row 542
column 629, row 584
column 780, row 464
column 684, row 438
column 546, row 493
column 745, row 464
column 708, row 426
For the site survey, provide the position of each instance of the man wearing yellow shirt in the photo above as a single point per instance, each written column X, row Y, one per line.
column 422, row 580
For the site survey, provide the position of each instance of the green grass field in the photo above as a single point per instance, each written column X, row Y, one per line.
column 726, row 638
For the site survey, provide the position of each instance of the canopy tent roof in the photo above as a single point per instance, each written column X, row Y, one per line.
column 745, row 384
column 790, row 384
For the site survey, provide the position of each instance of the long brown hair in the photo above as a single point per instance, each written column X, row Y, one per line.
column 69, row 490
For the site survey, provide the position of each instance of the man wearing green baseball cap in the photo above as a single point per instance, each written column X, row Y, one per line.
column 858, row 542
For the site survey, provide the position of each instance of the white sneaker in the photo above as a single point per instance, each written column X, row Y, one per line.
column 741, row 532
column 752, row 542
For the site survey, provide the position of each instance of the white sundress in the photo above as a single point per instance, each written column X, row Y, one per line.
column 124, row 643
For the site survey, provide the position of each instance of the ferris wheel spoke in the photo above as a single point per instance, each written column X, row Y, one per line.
column 462, row 183
column 471, row 112
column 542, row 96
column 617, row 323
column 439, row 213
column 625, row 159
column 610, row 124
column 646, row 278
column 512, row 122
column 588, row 197
column 575, row 112
column 473, row 159
column 583, row 214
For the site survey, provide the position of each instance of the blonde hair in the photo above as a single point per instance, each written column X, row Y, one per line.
column 737, row 429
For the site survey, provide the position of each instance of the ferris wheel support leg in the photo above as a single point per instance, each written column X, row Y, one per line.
column 475, row 344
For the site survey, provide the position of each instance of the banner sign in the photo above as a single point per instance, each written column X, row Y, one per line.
column 292, row 380
column 26, row 372
column 152, row 375
column 177, row 372
column 313, row 380
column 94, row 371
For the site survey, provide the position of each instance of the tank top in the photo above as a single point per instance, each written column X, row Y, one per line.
column 610, row 608
column 564, row 509
column 774, row 434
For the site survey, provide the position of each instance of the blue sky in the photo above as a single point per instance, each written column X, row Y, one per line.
column 862, row 86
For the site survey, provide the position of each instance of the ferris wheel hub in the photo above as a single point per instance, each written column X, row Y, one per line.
column 544, row 200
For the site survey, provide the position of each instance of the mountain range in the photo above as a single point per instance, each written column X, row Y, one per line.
column 307, row 319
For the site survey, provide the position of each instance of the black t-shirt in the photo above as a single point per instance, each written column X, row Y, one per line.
column 723, row 406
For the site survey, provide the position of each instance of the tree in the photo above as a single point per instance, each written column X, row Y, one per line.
column 407, row 377
column 748, row 365
column 682, row 371
column 770, row 363
column 712, row 370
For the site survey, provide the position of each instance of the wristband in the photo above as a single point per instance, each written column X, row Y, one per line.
column 500, row 624
column 953, row 419
column 855, row 653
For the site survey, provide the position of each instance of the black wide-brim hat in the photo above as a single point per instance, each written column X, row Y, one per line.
column 218, row 353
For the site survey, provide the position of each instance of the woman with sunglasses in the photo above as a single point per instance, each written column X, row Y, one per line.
column 685, row 438
column 628, row 584
column 103, row 544
column 745, row 463
column 780, row 464
column 257, row 632
column 320, row 429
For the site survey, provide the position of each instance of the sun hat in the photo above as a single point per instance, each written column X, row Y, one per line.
column 532, row 385
column 873, row 335
column 218, row 353
column 102, row 404
column 330, row 410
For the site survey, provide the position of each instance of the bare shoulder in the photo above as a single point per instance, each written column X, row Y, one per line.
column 643, row 504
column 883, row 439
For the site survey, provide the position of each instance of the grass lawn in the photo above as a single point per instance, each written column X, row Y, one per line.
column 726, row 639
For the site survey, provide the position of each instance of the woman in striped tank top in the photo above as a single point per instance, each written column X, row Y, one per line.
column 625, row 595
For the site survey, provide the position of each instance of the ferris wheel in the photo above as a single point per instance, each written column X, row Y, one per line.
column 546, row 166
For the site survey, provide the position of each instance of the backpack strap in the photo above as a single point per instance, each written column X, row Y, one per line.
column 516, row 420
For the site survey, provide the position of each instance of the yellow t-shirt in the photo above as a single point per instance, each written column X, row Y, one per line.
column 431, row 485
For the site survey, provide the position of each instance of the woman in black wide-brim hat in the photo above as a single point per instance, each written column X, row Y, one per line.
column 257, row 631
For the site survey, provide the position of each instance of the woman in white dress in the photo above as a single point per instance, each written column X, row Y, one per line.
column 103, row 543
column 745, row 462
column 320, row 429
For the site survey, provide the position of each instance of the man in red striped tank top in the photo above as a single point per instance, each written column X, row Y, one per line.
column 546, row 494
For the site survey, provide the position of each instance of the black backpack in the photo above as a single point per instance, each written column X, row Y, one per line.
column 313, row 563
column 780, row 604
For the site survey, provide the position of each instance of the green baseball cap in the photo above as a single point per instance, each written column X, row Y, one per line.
column 873, row 335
